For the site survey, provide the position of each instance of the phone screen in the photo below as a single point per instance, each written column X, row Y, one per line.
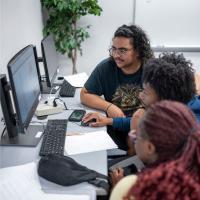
column 77, row 115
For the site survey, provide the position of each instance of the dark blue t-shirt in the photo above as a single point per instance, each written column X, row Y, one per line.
column 107, row 77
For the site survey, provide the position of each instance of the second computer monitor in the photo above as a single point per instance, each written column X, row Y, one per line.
column 50, row 59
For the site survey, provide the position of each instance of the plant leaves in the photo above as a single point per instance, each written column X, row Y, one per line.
column 62, row 22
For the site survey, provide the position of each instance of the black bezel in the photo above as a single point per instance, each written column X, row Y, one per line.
column 76, row 119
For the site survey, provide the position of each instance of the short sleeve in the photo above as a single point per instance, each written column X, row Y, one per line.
column 94, row 84
column 122, row 187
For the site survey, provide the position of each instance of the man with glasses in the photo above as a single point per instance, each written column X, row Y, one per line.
column 129, row 51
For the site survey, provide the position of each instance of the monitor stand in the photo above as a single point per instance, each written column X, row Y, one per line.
column 45, row 89
column 30, row 139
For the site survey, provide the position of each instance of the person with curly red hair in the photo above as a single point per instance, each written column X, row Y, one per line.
column 168, row 141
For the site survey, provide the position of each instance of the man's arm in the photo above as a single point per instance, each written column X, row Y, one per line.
column 95, row 101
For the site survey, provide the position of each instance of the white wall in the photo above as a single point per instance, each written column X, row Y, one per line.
column 115, row 13
column 173, row 23
column 20, row 25
column 170, row 22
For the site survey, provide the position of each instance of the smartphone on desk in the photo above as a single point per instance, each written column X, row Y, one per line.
column 77, row 116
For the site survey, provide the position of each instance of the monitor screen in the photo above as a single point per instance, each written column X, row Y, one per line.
column 50, row 59
column 25, row 85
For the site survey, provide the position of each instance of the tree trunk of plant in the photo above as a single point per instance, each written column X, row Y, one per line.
column 74, row 51
column 74, row 59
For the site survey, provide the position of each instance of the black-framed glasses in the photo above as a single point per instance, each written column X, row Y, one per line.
column 120, row 51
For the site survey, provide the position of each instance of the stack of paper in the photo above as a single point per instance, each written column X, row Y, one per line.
column 88, row 142
column 22, row 183
column 77, row 80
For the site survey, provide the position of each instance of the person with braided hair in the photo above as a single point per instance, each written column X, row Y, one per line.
column 130, row 50
column 171, row 150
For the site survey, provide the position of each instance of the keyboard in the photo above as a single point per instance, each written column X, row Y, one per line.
column 54, row 137
column 67, row 90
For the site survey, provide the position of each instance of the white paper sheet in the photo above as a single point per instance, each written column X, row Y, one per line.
column 22, row 183
column 77, row 80
column 88, row 142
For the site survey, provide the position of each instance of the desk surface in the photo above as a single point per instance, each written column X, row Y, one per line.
column 11, row 156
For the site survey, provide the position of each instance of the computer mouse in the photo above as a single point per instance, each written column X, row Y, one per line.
column 88, row 123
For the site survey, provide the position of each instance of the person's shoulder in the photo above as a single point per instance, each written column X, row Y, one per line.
column 194, row 105
column 106, row 64
column 122, row 187
column 194, row 102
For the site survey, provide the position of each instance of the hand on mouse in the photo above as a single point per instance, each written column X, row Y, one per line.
column 101, row 120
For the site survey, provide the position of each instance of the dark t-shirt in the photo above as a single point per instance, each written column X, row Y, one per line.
column 104, row 80
column 107, row 77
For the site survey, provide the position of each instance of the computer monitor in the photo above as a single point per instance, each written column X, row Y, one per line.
column 50, row 61
column 25, row 90
column 7, row 107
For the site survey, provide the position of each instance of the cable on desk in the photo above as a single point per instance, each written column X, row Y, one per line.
column 2, row 133
column 55, row 104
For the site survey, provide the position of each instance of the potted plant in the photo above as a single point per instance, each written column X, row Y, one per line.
column 63, row 16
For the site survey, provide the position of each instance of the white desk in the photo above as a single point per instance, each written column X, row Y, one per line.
column 11, row 156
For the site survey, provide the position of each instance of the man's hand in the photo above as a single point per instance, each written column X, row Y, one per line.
column 116, row 175
column 114, row 111
column 101, row 120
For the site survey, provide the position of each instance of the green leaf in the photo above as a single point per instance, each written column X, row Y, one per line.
column 62, row 22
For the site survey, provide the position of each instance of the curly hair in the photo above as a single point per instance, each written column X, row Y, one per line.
column 178, row 178
column 171, row 76
column 138, row 39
